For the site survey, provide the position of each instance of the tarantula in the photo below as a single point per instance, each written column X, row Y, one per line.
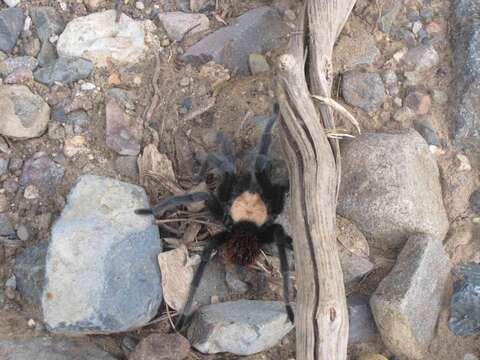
column 247, row 204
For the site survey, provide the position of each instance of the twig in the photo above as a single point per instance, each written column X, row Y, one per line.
column 155, row 98
column 340, row 109
column 172, row 230
column 169, row 317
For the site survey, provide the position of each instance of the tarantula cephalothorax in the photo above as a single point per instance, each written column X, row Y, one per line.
column 247, row 204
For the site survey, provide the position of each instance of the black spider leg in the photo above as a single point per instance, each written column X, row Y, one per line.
column 214, row 243
column 224, row 160
column 275, row 233
column 173, row 202
column 274, row 193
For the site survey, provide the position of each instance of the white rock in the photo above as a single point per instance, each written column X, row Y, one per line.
column 140, row 5
column 177, row 24
column 99, row 37
column 87, row 86
column 12, row 3
column 33, row 118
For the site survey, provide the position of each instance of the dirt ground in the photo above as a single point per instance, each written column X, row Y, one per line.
column 234, row 105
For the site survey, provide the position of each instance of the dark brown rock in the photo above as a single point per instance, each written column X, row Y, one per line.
column 161, row 347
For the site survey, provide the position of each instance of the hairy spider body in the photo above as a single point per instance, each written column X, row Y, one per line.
column 246, row 204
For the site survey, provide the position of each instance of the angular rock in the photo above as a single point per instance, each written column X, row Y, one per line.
column 19, row 76
column 66, row 70
column 407, row 302
column 47, row 55
column 30, row 272
column 43, row 173
column 231, row 45
column 6, row 228
column 364, row 90
column 11, row 3
column 178, row 24
column 127, row 166
column 11, row 25
column 101, row 273
column 425, row 128
column 122, row 127
column 419, row 102
column 258, row 64
column 390, row 10
column 242, row 327
column 421, row 58
column 466, row 43
column 390, row 188
column 12, row 64
column 98, row 37
column 47, row 22
column 161, row 347
column 354, row 267
column 24, row 114
column 464, row 317
column 177, row 274
column 361, row 324
column 50, row 348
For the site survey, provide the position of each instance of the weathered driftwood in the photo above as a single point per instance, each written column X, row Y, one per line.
column 314, row 166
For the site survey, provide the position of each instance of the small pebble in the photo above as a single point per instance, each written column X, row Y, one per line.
column 114, row 79
column 11, row 282
column 165, row 42
column 87, row 86
column 23, row 233
column 475, row 201
column 258, row 64
column 290, row 15
column 140, row 5
column 464, row 163
column 398, row 102
column 31, row 192
column 31, row 323
column 184, row 81
column 417, row 26
column 419, row 102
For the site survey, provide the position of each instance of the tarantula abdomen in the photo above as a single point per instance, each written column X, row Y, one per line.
column 243, row 245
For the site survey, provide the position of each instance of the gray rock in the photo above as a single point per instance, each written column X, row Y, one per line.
column 364, row 90
column 258, row 64
column 390, row 188
column 122, row 129
column 470, row 356
column 11, row 25
column 161, row 347
column 464, row 317
column 30, row 272
column 24, row 114
column 354, row 267
column 66, row 69
column 98, row 37
column 47, row 22
column 12, row 64
column 407, row 302
column 425, row 128
column 102, row 274
column 361, row 324
column 242, row 327
column 475, row 201
column 127, row 166
column 421, row 58
column 79, row 120
column 177, row 24
column 466, row 43
column 231, row 45
column 47, row 55
column 42, row 172
column 24, row 232
column 6, row 228
column 4, row 161
column 50, row 348
column 19, row 76
column 390, row 10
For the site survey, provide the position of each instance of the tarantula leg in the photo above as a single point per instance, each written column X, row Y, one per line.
column 226, row 148
column 220, row 162
column 213, row 244
column 172, row 202
column 283, row 241
column 266, row 141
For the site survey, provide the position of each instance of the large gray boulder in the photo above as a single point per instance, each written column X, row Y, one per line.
column 408, row 301
column 50, row 348
column 101, row 271
column 256, row 31
column 242, row 327
column 390, row 188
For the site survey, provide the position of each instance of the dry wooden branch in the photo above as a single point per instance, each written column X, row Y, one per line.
column 314, row 167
